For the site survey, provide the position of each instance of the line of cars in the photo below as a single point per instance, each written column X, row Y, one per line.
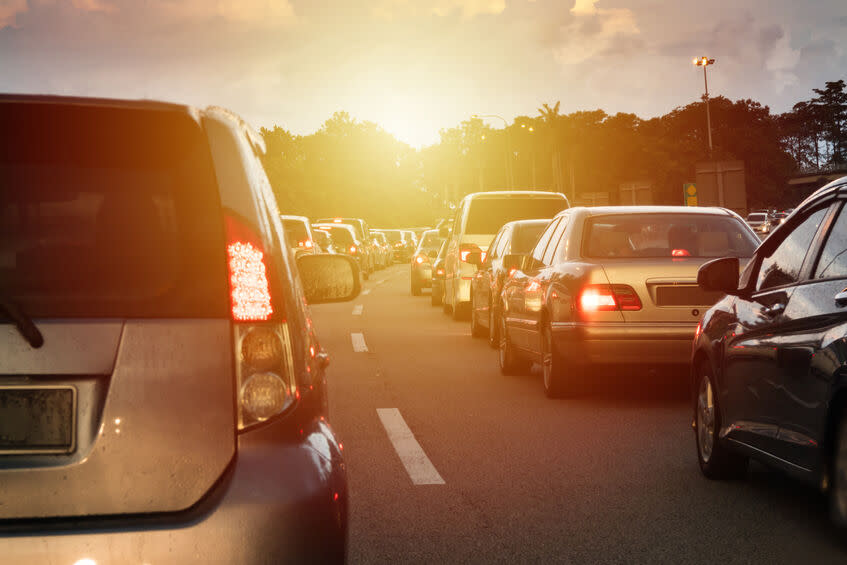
column 764, row 222
column 758, row 329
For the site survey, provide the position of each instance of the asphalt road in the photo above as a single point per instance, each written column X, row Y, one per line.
column 611, row 477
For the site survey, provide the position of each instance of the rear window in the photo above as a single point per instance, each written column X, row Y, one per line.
column 341, row 236
column 756, row 217
column 487, row 215
column 295, row 231
column 108, row 212
column 667, row 235
column 431, row 241
column 526, row 236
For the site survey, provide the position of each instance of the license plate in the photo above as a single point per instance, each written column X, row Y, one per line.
column 37, row 420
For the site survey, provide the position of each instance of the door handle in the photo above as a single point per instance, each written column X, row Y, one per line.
column 841, row 298
column 773, row 309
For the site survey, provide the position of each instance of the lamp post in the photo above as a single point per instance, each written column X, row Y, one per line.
column 705, row 62
column 509, row 175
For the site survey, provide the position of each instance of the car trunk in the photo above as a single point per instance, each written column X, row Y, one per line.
column 109, row 245
column 666, row 287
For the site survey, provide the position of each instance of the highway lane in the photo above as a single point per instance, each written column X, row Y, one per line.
column 607, row 478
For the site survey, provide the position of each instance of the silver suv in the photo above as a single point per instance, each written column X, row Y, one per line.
column 162, row 390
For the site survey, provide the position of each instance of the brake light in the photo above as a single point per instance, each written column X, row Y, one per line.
column 680, row 253
column 249, row 288
column 419, row 259
column 439, row 271
column 336, row 221
column 306, row 243
column 353, row 249
column 605, row 298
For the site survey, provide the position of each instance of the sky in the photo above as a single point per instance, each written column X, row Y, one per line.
column 417, row 66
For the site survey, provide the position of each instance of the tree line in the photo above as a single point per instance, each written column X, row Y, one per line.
column 356, row 168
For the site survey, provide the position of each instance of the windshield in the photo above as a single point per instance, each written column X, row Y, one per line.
column 487, row 215
column 666, row 235
column 109, row 219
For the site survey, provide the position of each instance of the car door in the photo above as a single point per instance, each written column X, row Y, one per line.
column 481, row 287
column 751, row 366
column 810, row 351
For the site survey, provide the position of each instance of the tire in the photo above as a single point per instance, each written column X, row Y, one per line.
column 559, row 377
column 416, row 286
column 716, row 461
column 461, row 311
column 476, row 329
column 493, row 331
column 838, row 475
column 510, row 362
column 435, row 297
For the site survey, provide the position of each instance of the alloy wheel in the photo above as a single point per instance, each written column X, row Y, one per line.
column 705, row 419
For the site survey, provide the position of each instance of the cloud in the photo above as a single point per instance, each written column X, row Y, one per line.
column 9, row 9
column 594, row 31
column 389, row 9
column 782, row 61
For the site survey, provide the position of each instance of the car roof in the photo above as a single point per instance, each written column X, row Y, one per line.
column 534, row 221
column 606, row 210
column 140, row 104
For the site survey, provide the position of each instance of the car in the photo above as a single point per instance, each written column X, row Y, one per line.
column 436, row 294
column 162, row 388
column 345, row 242
column 366, row 247
column 323, row 241
column 760, row 222
column 402, row 243
column 768, row 366
column 298, row 233
column 420, row 267
column 614, row 288
column 384, row 253
column 514, row 239
column 478, row 218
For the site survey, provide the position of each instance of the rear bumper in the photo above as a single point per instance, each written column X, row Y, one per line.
column 277, row 503
column 422, row 275
column 625, row 344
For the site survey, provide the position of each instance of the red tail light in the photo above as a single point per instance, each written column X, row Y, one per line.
column 249, row 288
column 439, row 271
column 420, row 259
column 605, row 298
column 353, row 249
column 680, row 253
column 306, row 244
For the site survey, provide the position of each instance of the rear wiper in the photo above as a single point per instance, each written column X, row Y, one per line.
column 24, row 323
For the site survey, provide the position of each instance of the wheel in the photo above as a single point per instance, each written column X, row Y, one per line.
column 461, row 311
column 838, row 472
column 510, row 363
column 716, row 461
column 493, row 331
column 560, row 377
column 416, row 287
column 476, row 329
column 435, row 296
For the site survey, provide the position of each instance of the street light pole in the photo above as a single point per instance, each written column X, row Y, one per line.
column 705, row 62
column 509, row 175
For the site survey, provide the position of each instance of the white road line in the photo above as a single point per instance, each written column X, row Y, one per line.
column 357, row 309
column 420, row 468
column 359, row 345
column 366, row 291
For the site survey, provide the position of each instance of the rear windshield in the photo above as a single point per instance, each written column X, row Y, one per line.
column 393, row 235
column 341, row 236
column 756, row 217
column 295, row 231
column 487, row 215
column 108, row 212
column 526, row 236
column 355, row 223
column 431, row 241
column 667, row 235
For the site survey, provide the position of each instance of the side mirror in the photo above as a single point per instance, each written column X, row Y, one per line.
column 513, row 261
column 475, row 258
column 720, row 275
column 329, row 278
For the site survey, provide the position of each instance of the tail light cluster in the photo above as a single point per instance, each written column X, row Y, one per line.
column 439, row 272
column 605, row 297
column 353, row 249
column 264, row 366
column 306, row 244
column 420, row 259
column 468, row 248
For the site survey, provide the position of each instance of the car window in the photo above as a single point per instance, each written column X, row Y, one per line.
column 295, row 231
column 541, row 246
column 525, row 236
column 833, row 260
column 554, row 241
column 487, row 215
column 492, row 247
column 783, row 265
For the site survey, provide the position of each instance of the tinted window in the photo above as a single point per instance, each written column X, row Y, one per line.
column 667, row 235
column 783, row 266
column 114, row 213
column 295, row 231
column 487, row 215
column 833, row 260
column 525, row 236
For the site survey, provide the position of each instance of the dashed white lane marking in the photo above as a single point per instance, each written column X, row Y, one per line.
column 417, row 464
column 359, row 345
column 366, row 291
column 357, row 309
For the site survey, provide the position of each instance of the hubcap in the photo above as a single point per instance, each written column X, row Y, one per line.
column 705, row 419
column 547, row 358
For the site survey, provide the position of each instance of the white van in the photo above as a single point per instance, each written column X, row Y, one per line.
column 478, row 219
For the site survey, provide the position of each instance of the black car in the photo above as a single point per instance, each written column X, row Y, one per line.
column 420, row 267
column 769, row 370
column 514, row 238
column 162, row 389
